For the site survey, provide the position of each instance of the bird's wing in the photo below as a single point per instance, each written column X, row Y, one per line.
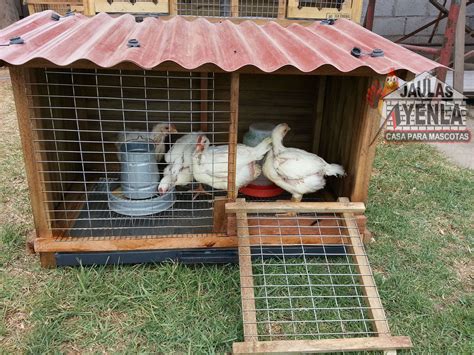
column 295, row 164
column 214, row 161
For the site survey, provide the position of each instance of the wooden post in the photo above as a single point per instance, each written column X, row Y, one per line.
column 281, row 9
column 458, row 78
column 173, row 7
column 234, row 11
column 234, row 121
column 22, row 95
column 365, row 153
column 89, row 7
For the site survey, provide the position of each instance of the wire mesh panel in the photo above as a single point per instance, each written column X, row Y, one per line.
column 225, row 8
column 320, row 9
column 305, row 276
column 102, row 143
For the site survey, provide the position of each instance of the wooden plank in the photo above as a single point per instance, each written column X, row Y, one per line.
column 324, row 345
column 269, row 207
column 138, row 7
column 233, row 127
column 70, row 244
column 246, row 280
column 21, row 91
column 366, row 153
column 369, row 288
column 281, row 9
column 234, row 8
column 204, row 104
column 318, row 113
column 459, row 48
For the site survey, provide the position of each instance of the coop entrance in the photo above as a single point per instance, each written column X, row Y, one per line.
column 299, row 299
column 101, row 141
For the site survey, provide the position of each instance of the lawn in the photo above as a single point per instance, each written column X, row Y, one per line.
column 420, row 211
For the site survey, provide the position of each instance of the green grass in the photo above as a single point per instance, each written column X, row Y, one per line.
column 420, row 211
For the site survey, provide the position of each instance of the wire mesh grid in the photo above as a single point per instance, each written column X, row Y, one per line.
column 299, row 293
column 101, row 143
column 224, row 8
column 322, row 4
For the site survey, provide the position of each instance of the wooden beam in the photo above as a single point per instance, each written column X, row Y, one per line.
column 269, row 207
column 246, row 280
column 22, row 95
column 458, row 76
column 324, row 345
column 233, row 129
column 369, row 288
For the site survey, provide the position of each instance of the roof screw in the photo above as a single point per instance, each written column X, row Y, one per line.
column 69, row 13
column 139, row 19
column 329, row 21
column 377, row 52
column 16, row 40
column 55, row 17
column 132, row 43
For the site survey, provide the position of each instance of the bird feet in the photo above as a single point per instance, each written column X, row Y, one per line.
column 290, row 214
column 200, row 191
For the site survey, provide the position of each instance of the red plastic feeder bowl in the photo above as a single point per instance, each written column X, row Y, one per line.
column 262, row 191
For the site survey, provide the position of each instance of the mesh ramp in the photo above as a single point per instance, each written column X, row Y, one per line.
column 300, row 301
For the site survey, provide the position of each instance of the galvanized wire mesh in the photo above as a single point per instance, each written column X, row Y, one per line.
column 307, row 285
column 81, row 120
column 224, row 8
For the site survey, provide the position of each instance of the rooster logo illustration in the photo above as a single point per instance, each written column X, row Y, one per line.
column 377, row 92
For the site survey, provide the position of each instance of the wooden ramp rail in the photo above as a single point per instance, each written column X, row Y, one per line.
column 288, row 332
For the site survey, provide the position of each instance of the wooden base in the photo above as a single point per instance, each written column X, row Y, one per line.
column 48, row 260
column 324, row 346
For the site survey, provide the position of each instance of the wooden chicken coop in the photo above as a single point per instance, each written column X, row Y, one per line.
column 256, row 9
column 90, row 90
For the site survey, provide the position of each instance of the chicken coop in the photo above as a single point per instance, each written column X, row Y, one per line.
column 105, row 103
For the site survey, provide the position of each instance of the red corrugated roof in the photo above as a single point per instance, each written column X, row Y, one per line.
column 103, row 39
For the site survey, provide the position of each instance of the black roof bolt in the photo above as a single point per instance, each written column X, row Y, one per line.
column 139, row 19
column 69, row 13
column 377, row 52
column 132, row 43
column 329, row 21
column 16, row 40
column 55, row 17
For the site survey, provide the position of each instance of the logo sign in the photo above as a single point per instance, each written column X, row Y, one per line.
column 425, row 110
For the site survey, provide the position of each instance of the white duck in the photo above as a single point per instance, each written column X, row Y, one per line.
column 157, row 136
column 210, row 164
column 295, row 170
column 179, row 171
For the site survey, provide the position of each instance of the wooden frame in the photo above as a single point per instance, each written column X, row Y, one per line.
column 382, row 341
column 224, row 233
column 161, row 6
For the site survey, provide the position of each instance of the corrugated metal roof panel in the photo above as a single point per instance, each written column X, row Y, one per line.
column 103, row 39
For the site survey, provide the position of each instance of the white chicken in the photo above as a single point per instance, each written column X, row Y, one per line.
column 295, row 170
column 157, row 136
column 210, row 164
column 179, row 171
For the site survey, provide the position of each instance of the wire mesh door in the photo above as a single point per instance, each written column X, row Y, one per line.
column 306, row 280
column 108, row 145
